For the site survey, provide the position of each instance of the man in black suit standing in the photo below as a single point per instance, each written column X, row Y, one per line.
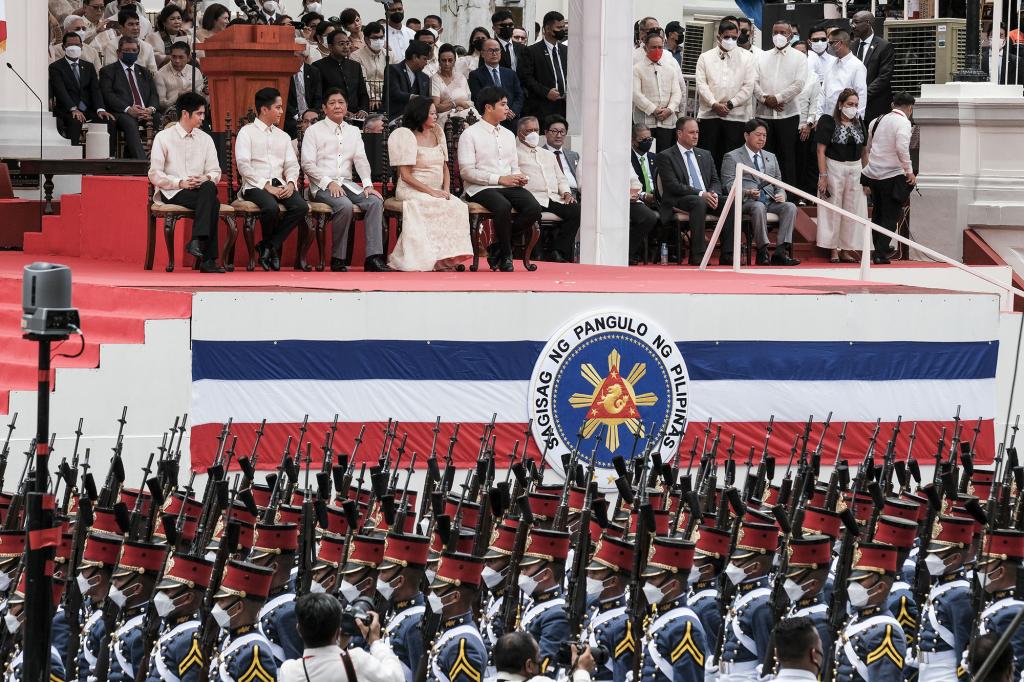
column 689, row 182
column 129, row 93
column 503, row 24
column 490, row 74
column 338, row 71
column 75, row 86
column 543, row 69
column 405, row 79
column 879, row 58
column 305, row 93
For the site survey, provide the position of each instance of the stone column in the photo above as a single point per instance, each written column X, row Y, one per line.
column 462, row 16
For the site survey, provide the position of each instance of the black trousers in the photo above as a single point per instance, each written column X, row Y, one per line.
column 664, row 138
column 699, row 210
column 562, row 235
column 885, row 211
column 129, row 127
column 500, row 202
column 277, row 226
column 807, row 165
column 720, row 137
column 203, row 200
column 642, row 219
column 784, row 141
column 73, row 129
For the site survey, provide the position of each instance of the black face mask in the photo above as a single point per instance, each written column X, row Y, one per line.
column 561, row 35
column 744, row 38
column 396, row 17
column 505, row 32
column 477, row 44
column 644, row 146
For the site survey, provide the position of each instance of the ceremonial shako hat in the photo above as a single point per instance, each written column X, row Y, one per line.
column 463, row 544
column 337, row 522
column 545, row 545
column 903, row 509
column 241, row 513
column 900, row 533
column 460, row 570
column 544, row 506
column 921, row 502
column 470, row 511
column 661, row 522
column 178, row 500
column 242, row 579
column 771, row 495
column 810, row 551
column 405, row 550
column 872, row 557
column 669, row 555
column 503, row 539
column 185, row 569
column 100, row 550
column 408, row 522
column 129, row 497
column 289, row 514
column 756, row 538
column 367, row 552
column 140, row 557
column 981, row 483
column 64, row 548
column 275, row 538
column 261, row 494
column 818, row 496
column 577, row 496
column 952, row 531
column 12, row 544
column 823, row 521
column 332, row 550
column 863, row 506
column 1004, row 544
column 105, row 521
column 614, row 553
column 712, row 542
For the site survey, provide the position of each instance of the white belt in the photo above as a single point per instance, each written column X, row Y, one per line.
column 944, row 658
column 735, row 668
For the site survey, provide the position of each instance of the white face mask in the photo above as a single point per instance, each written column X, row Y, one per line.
column 858, row 595
column 73, row 51
column 527, row 584
column 83, row 584
column 819, row 48
column 491, row 577
column 117, row 596
column 270, row 7
column 429, row 574
column 435, row 603
column 210, row 556
column 728, row 44
column 794, row 590
column 780, row 41
column 12, row 623
column 984, row 579
column 313, row 7
column 694, row 575
column 80, row 32
column 376, row 44
column 653, row 594
column 532, row 139
column 385, row 589
column 594, row 588
column 163, row 604
column 348, row 591
column 5, row 581
column 935, row 564
column 849, row 112
column 222, row 617
column 735, row 574
column 316, row 588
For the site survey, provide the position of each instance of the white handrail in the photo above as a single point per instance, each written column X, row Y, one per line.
column 865, row 259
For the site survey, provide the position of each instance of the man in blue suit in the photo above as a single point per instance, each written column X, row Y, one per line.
column 490, row 73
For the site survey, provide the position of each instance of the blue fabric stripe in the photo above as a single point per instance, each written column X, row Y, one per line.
column 514, row 360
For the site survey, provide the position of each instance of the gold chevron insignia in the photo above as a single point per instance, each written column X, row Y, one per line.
column 462, row 665
column 904, row 618
column 193, row 657
column 256, row 671
column 688, row 646
column 886, row 649
column 55, row 678
column 614, row 401
column 628, row 642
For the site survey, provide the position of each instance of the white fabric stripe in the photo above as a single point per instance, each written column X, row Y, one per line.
column 474, row 401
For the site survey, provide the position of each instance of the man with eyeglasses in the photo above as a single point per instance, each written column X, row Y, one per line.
column 845, row 72
column 798, row 649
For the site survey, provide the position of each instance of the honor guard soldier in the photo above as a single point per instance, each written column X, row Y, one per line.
column 399, row 578
column 359, row 574
column 458, row 653
column 901, row 534
column 540, row 579
column 495, row 578
column 61, row 629
column 14, row 622
column 947, row 615
column 749, row 623
column 809, row 561
column 274, row 547
column 98, row 561
column 709, row 559
column 245, row 655
column 329, row 556
column 998, row 568
column 674, row 647
column 607, row 622
column 871, row 648
column 176, row 655
column 132, row 589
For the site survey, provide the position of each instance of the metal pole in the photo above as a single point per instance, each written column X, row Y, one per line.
column 994, row 58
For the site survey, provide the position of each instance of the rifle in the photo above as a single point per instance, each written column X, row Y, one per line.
column 72, row 595
column 510, row 604
column 778, row 599
column 433, row 471
column 307, row 535
column 911, row 463
column 449, row 470
column 7, row 447
column 209, row 630
column 838, row 603
column 576, row 603
column 645, row 529
column 403, row 505
column 342, row 486
column 731, row 499
column 285, row 470
column 889, row 459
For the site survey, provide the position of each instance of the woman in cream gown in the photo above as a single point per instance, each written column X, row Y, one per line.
column 435, row 224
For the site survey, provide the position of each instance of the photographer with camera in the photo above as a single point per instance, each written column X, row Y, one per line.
column 326, row 657
column 517, row 658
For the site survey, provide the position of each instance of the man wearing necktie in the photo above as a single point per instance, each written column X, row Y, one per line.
column 76, row 89
column 491, row 74
column 406, row 79
column 760, row 196
column 130, row 94
column 543, row 69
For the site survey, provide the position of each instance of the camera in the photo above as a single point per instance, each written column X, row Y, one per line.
column 353, row 614
column 565, row 660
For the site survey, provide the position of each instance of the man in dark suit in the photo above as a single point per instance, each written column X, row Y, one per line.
column 556, row 130
column 1008, row 61
column 879, row 58
column 543, row 70
column 502, row 26
column 689, row 182
column 645, row 165
column 405, row 79
column 75, row 86
column 129, row 93
column 490, row 73
column 307, row 82
column 338, row 71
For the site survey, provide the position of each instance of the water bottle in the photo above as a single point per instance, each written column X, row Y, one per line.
column 664, row 253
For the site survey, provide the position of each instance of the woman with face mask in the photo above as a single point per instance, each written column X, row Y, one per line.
column 245, row 651
column 471, row 60
column 841, row 140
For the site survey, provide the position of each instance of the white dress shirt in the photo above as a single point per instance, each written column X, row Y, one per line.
column 379, row 664
column 864, row 45
column 486, row 153
column 331, row 151
column 264, row 153
column 807, row 100
column 170, row 83
column 847, row 72
column 178, row 155
column 728, row 76
column 398, row 40
column 889, row 147
column 373, row 63
column 510, row 47
column 781, row 73
column 547, row 181
column 655, row 86
column 696, row 182
column 793, row 675
column 821, row 63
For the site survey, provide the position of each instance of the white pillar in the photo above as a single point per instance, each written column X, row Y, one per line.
column 600, row 101
column 462, row 16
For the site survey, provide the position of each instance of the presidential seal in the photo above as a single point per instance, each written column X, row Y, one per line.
column 609, row 384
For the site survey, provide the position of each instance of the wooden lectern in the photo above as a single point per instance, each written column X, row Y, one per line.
column 242, row 59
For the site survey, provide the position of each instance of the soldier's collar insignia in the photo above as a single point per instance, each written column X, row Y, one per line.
column 675, row 603
column 243, row 630
column 703, row 585
column 955, row 575
column 870, row 611
column 547, row 596
column 1001, row 594
column 613, row 603
column 404, row 604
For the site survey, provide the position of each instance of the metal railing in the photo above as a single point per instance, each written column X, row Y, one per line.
column 733, row 202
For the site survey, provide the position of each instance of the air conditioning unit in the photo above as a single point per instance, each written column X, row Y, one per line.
column 699, row 36
column 928, row 51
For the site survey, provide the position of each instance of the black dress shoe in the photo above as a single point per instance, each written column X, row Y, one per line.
column 506, row 264
column 338, row 265
column 210, row 266
column 376, row 264
column 275, row 262
column 194, row 249
column 304, row 267
column 493, row 258
column 725, row 259
column 266, row 258
column 762, row 256
column 781, row 256
column 880, row 260
column 555, row 256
